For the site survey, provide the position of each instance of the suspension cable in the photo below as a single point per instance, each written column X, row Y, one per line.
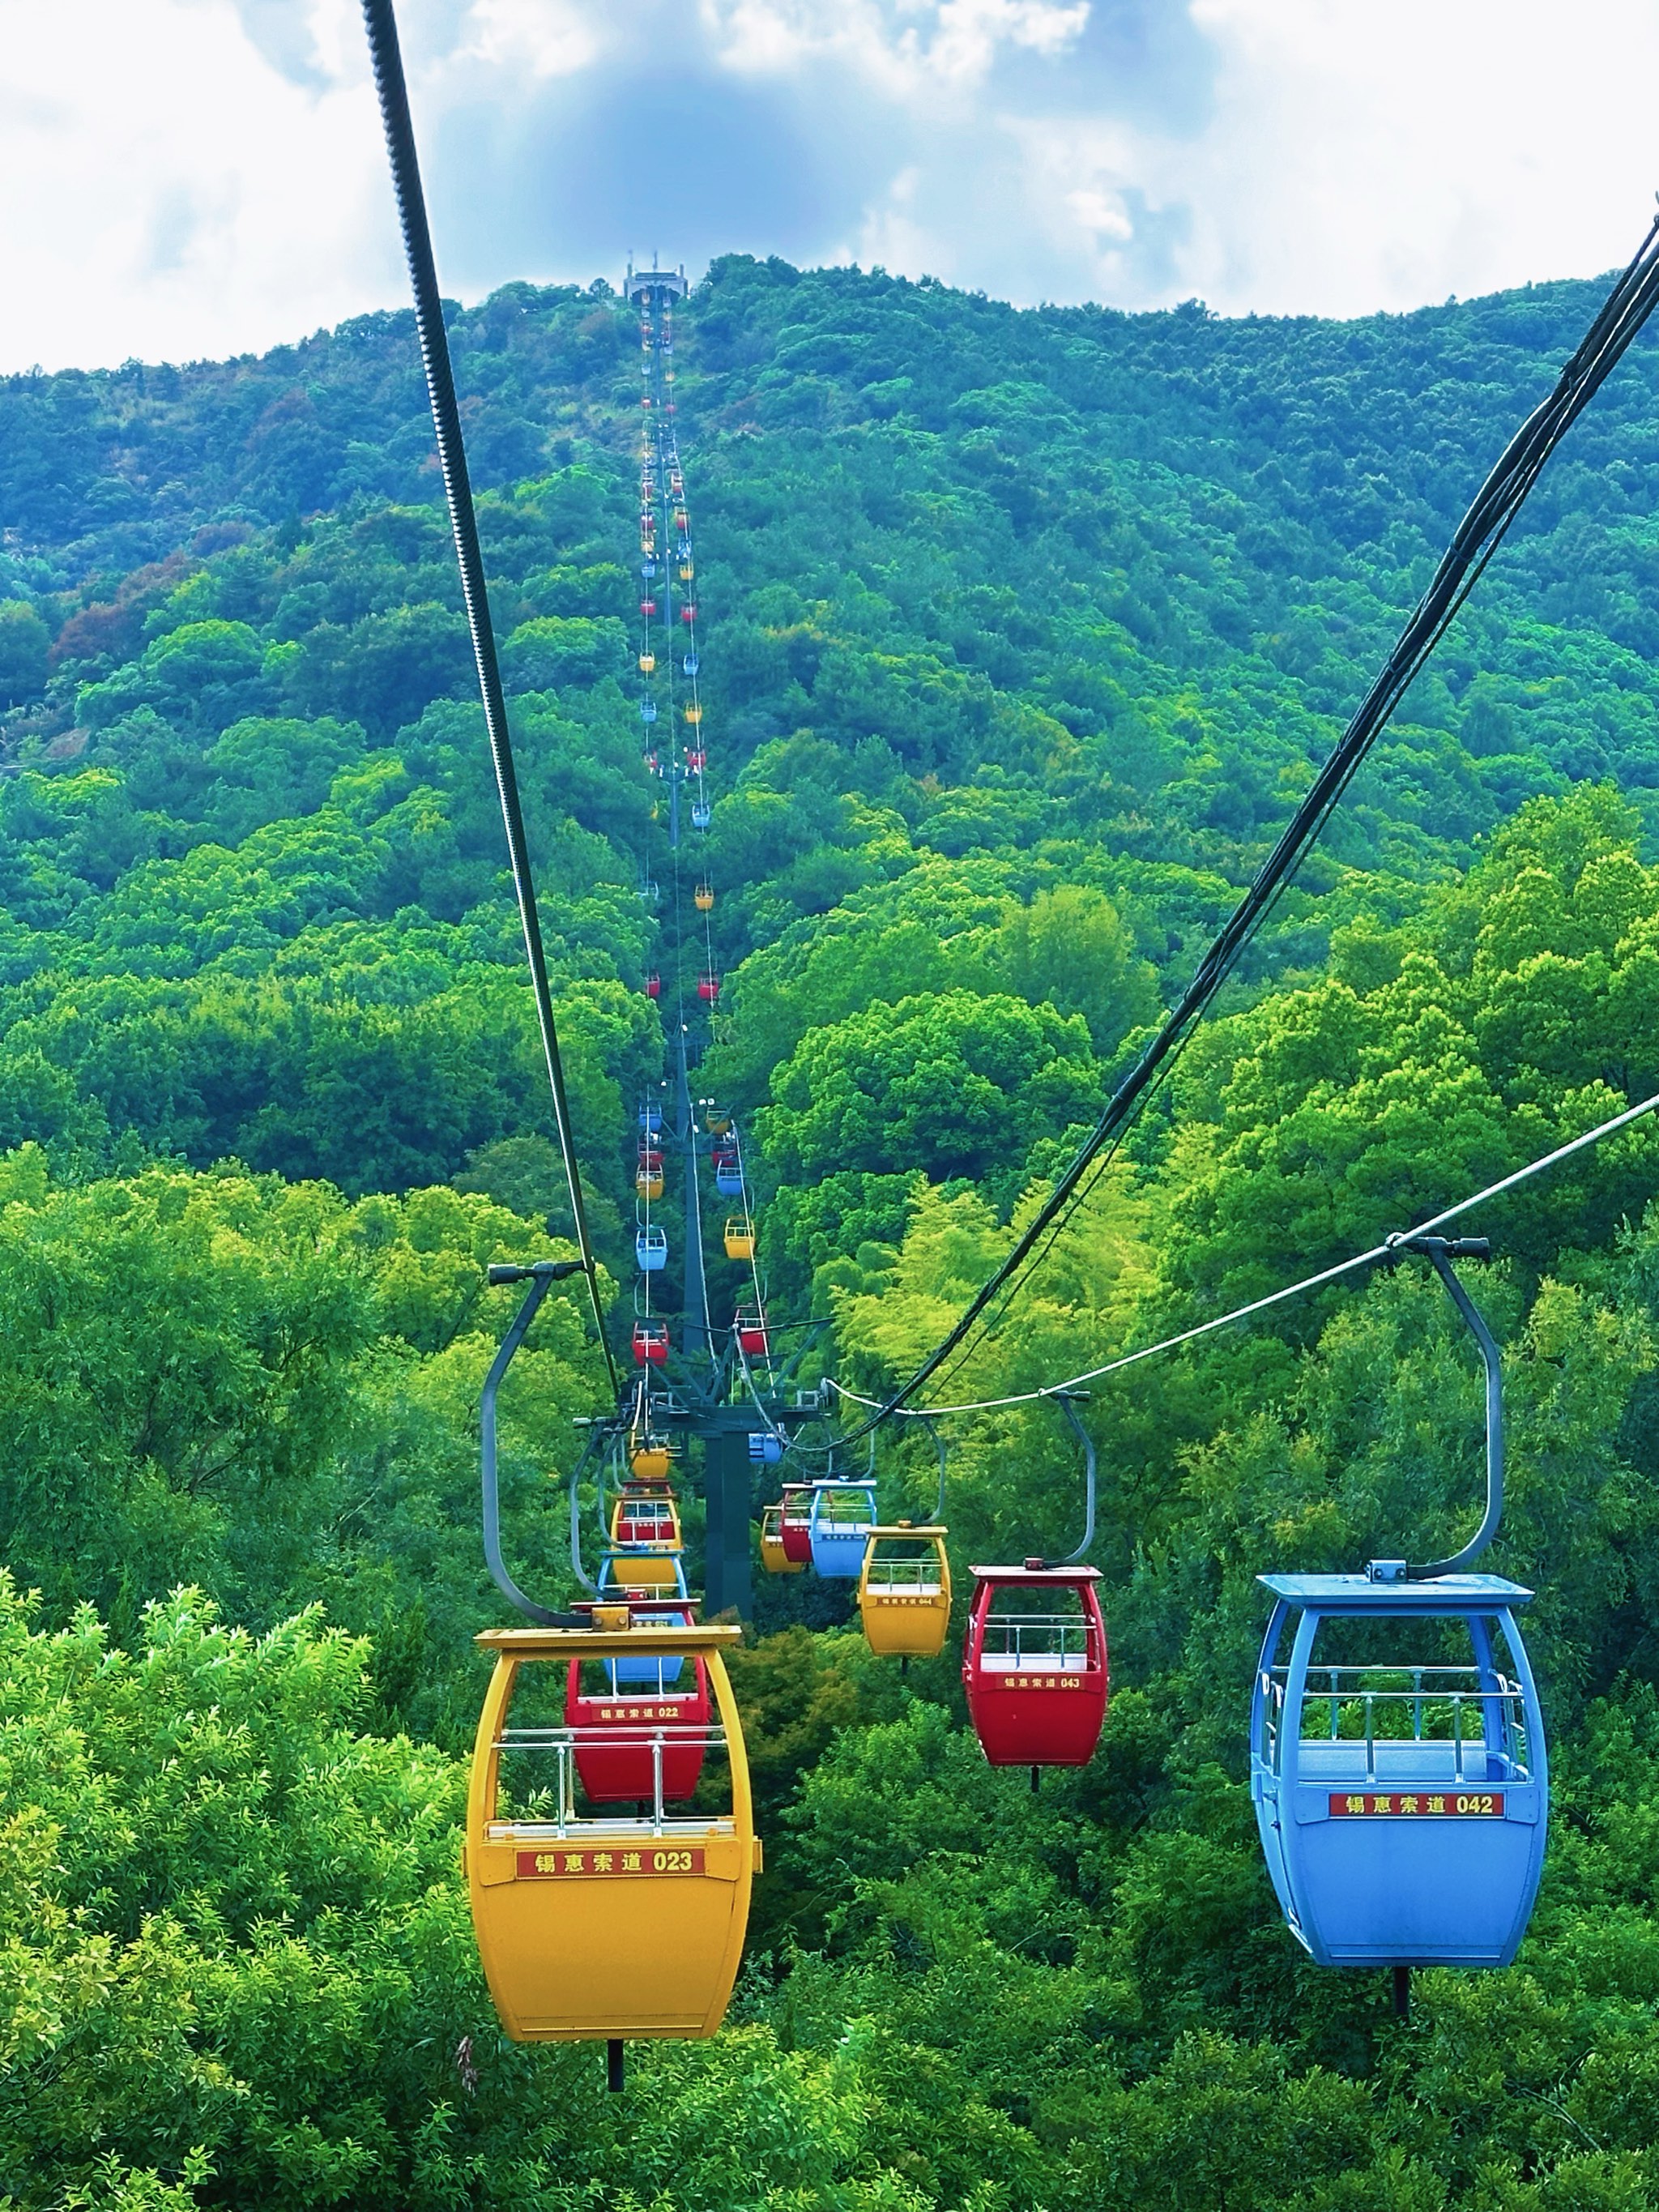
column 1482, row 530
column 381, row 21
column 1385, row 1250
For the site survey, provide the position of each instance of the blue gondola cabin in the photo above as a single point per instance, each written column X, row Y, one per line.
column 838, row 1525
column 1398, row 1767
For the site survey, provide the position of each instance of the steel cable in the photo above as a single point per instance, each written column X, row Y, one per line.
column 1366, row 1258
column 379, row 20
column 1482, row 530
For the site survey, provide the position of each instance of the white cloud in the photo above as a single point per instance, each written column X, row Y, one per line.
column 906, row 48
column 1363, row 158
column 169, row 193
column 1102, row 213
column 970, row 32
column 548, row 39
column 199, row 177
column 1344, row 160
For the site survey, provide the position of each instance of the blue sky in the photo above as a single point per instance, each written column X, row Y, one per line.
column 186, row 177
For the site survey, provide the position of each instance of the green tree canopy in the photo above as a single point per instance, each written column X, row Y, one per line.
column 953, row 1083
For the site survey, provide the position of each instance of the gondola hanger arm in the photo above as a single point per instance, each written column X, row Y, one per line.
column 1440, row 1252
column 541, row 1275
column 1066, row 1401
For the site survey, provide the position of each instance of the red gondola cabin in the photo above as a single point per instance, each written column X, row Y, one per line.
column 650, row 1343
column 792, row 1529
column 619, row 1728
column 1034, row 1665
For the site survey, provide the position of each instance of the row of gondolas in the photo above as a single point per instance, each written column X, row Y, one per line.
column 651, row 1340
column 1397, row 1757
column 611, row 1843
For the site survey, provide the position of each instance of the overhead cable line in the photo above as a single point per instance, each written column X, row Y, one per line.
column 1385, row 1250
column 1482, row 530
column 381, row 21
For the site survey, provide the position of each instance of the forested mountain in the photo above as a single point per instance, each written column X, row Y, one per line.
column 1024, row 633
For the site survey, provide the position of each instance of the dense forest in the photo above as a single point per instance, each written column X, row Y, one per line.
column 1024, row 630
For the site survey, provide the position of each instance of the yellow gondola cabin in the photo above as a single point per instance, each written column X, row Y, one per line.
column 904, row 1590
column 774, row 1557
column 594, row 1921
column 645, row 1534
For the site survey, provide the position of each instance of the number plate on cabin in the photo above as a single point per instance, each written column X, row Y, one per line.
column 652, row 1859
column 1480, row 1805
